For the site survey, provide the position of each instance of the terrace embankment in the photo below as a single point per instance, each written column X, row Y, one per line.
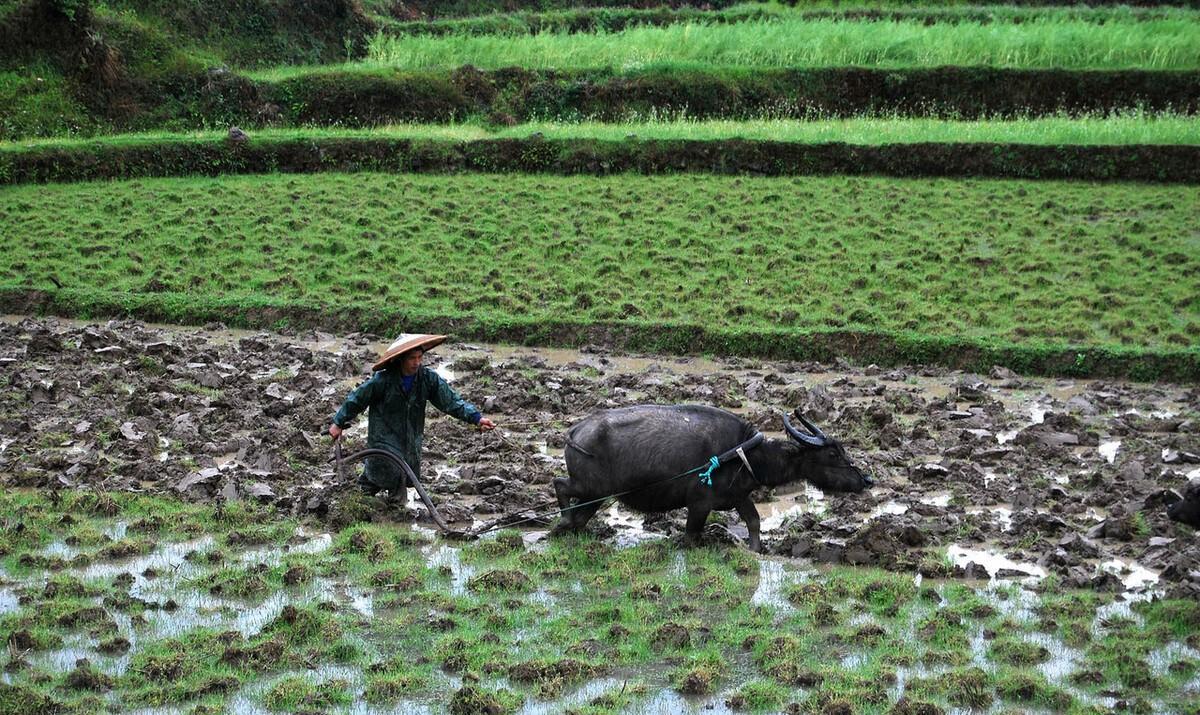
column 1062, row 477
column 99, row 161
column 514, row 94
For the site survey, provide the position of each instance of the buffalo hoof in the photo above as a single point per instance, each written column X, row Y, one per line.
column 562, row 528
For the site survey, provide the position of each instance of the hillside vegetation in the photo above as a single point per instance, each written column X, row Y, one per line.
column 770, row 174
column 81, row 68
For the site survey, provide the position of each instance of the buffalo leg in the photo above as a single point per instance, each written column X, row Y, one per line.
column 562, row 490
column 575, row 517
column 695, row 525
column 749, row 514
column 579, row 515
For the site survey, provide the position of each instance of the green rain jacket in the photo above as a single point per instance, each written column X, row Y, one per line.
column 396, row 420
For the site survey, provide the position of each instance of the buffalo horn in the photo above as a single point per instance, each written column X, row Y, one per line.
column 799, row 436
column 811, row 427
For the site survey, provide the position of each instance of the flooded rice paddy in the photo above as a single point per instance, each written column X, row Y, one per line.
column 177, row 541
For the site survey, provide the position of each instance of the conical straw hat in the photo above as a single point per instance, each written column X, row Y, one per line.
column 406, row 342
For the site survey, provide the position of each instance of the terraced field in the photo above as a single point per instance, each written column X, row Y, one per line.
column 913, row 221
column 1007, row 262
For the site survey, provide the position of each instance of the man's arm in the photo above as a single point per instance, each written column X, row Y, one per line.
column 447, row 400
column 359, row 399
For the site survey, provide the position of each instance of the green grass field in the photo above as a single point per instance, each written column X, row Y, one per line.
column 1121, row 129
column 1098, row 265
column 1041, row 43
column 521, row 625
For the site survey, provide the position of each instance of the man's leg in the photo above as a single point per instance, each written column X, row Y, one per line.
column 382, row 474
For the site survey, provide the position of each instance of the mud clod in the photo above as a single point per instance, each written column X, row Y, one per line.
column 258, row 657
column 670, row 636
column 904, row 706
column 499, row 580
column 471, row 700
column 296, row 575
column 22, row 700
column 165, row 667
column 117, row 645
column 697, row 681
column 22, row 640
column 86, row 677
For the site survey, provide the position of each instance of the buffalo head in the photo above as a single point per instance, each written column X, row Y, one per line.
column 823, row 461
column 1187, row 509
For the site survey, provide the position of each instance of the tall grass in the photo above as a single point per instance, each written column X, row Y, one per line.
column 1041, row 43
column 610, row 19
column 1119, row 129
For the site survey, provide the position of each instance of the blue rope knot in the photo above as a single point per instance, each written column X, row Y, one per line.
column 706, row 475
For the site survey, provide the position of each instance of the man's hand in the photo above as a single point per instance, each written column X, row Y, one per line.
column 335, row 431
column 486, row 425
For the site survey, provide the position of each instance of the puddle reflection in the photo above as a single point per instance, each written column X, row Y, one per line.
column 994, row 563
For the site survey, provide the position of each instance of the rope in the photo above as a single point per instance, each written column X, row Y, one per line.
column 706, row 475
column 543, row 515
column 713, row 463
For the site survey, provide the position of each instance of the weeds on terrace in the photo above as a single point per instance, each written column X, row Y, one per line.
column 1131, row 127
column 1059, row 43
column 610, row 19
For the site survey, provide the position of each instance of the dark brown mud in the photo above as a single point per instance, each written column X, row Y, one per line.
column 1010, row 477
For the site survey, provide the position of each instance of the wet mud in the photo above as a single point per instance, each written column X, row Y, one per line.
column 1010, row 477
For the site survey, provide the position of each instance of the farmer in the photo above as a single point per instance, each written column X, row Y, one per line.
column 396, row 395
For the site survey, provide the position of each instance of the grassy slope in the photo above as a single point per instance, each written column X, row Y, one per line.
column 248, row 33
column 165, row 48
column 1133, row 128
column 984, row 260
column 37, row 101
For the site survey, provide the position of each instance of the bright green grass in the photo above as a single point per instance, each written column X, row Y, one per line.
column 38, row 102
column 595, row 19
column 654, row 614
column 1093, row 264
column 1121, row 129
column 486, row 8
column 1041, row 43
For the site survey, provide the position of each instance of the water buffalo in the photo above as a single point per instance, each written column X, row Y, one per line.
column 636, row 454
column 1186, row 510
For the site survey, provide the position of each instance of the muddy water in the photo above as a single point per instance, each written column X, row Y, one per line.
column 995, row 409
column 775, row 577
column 183, row 606
column 995, row 471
